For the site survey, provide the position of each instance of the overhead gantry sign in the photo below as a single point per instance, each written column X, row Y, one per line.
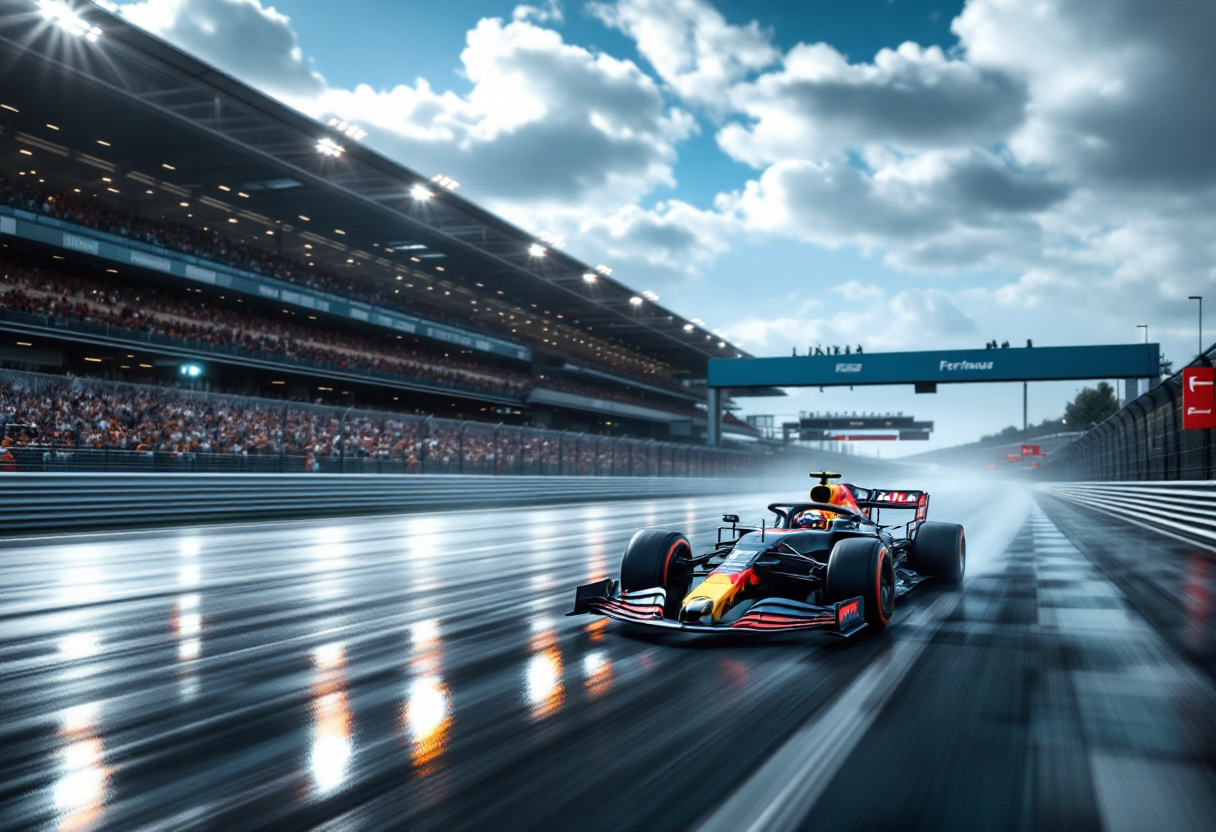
column 926, row 370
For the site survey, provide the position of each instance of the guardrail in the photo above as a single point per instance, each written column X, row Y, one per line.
column 1185, row 510
column 63, row 502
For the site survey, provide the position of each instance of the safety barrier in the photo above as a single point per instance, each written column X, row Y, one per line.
column 52, row 502
column 1184, row 510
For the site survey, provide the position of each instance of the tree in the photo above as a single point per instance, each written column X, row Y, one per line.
column 1091, row 406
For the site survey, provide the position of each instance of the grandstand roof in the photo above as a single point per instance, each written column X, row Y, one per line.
column 131, row 115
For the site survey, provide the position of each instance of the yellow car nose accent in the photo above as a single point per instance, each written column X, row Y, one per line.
column 718, row 588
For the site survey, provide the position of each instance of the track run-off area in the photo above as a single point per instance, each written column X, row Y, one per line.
column 418, row 672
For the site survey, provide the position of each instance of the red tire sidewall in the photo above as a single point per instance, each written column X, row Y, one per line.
column 671, row 551
column 880, row 562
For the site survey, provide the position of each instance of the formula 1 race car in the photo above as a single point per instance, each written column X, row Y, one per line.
column 826, row 564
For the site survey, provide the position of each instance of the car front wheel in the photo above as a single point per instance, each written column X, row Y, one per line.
column 863, row 566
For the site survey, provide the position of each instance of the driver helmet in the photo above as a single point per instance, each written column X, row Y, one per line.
column 810, row 519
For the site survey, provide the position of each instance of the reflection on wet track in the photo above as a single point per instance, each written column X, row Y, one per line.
column 418, row 672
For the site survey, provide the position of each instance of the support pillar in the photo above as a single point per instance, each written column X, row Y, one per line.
column 713, row 424
column 1025, row 423
column 1131, row 389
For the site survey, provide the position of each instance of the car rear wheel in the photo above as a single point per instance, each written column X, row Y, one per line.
column 863, row 566
column 655, row 558
column 940, row 550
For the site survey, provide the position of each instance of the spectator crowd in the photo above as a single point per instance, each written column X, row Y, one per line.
column 213, row 246
column 58, row 415
column 66, row 295
column 59, row 293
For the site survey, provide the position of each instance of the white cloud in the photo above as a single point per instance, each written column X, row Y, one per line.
column 241, row 37
column 548, row 131
column 1121, row 91
column 858, row 314
column 818, row 105
column 940, row 209
column 551, row 12
column 674, row 241
column 690, row 44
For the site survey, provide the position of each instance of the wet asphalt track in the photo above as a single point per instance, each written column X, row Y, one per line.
column 417, row 673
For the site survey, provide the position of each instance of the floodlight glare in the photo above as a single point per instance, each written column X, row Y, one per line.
column 60, row 14
column 635, row 301
column 330, row 148
column 688, row 327
column 536, row 250
column 589, row 277
column 419, row 191
column 191, row 370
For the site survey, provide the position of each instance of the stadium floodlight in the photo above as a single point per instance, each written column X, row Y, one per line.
column 60, row 14
column 330, row 148
column 419, row 191
column 190, row 370
column 635, row 301
column 536, row 250
column 589, row 277
column 651, row 296
column 445, row 182
column 697, row 321
column 689, row 327
column 604, row 270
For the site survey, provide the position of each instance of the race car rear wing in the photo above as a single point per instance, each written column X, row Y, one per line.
column 870, row 498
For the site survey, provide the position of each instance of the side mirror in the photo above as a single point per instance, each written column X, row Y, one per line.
column 730, row 518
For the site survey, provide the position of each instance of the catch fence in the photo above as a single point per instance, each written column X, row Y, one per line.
column 1143, row 441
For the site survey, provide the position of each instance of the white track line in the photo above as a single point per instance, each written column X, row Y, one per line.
column 781, row 792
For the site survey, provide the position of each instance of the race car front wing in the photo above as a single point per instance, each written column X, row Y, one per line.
column 645, row 606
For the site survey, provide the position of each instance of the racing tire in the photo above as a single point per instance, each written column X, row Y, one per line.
column 652, row 560
column 940, row 551
column 863, row 566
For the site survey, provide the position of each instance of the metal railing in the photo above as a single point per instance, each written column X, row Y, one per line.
column 498, row 450
column 1182, row 510
column 1143, row 441
column 41, row 502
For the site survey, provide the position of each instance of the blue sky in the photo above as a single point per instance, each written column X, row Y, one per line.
column 908, row 175
column 399, row 39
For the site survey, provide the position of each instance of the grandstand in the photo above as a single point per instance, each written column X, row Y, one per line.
column 164, row 224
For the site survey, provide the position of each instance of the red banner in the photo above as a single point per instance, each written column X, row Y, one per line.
column 1198, row 398
column 1012, row 458
column 1031, row 450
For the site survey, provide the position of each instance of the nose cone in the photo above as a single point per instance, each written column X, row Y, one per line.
column 698, row 611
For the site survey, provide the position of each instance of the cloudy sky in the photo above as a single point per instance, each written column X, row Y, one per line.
column 905, row 174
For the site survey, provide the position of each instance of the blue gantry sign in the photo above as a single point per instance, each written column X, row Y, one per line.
column 940, row 367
